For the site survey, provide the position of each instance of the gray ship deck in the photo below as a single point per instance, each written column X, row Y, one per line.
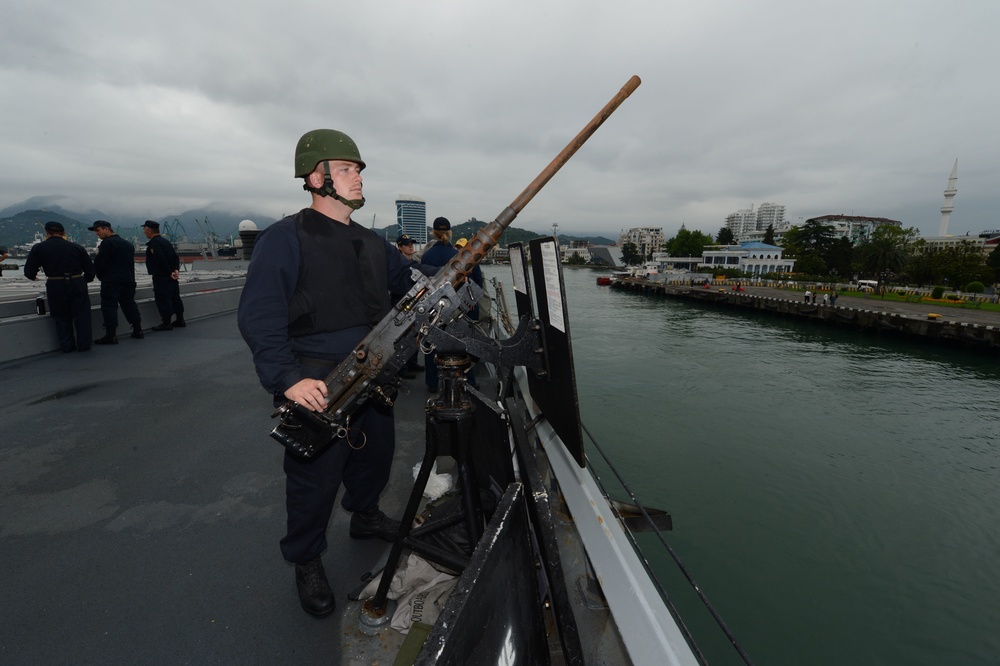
column 141, row 504
column 142, row 501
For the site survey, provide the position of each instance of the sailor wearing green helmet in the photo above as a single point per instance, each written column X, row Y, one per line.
column 323, row 154
column 317, row 283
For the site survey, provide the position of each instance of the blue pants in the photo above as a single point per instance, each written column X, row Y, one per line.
column 114, row 294
column 311, row 486
column 167, row 294
column 69, row 305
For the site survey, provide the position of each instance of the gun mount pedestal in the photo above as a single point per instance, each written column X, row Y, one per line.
column 449, row 432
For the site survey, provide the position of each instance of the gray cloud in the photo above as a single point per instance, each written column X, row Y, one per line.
column 827, row 107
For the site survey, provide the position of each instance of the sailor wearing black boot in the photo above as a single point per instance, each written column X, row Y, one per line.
column 164, row 265
column 299, row 328
column 68, row 269
column 115, row 266
column 314, row 590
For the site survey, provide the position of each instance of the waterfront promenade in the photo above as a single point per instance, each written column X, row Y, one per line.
column 966, row 315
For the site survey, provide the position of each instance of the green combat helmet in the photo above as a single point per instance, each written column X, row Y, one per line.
column 321, row 145
column 324, row 144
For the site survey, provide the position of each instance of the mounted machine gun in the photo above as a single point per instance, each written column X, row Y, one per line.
column 425, row 313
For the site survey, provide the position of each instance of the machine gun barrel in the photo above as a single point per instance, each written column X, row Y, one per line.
column 486, row 238
column 370, row 370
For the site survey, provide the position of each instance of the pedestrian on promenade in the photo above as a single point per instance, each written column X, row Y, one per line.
column 3, row 255
column 826, row 298
column 165, row 267
column 808, row 295
column 115, row 267
column 317, row 284
column 68, row 269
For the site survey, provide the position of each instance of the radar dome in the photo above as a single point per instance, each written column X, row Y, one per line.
column 248, row 225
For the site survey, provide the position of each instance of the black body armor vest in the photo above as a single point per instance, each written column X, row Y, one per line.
column 342, row 279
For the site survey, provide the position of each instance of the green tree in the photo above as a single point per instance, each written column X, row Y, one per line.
column 885, row 253
column 839, row 257
column 576, row 259
column 816, row 236
column 769, row 234
column 922, row 268
column 993, row 261
column 810, row 263
column 725, row 236
column 963, row 264
column 630, row 254
column 688, row 243
column 801, row 245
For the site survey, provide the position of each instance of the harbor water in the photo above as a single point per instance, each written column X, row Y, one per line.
column 835, row 494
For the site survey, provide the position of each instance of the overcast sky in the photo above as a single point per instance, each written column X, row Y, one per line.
column 855, row 107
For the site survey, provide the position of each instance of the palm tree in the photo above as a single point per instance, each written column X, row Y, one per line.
column 882, row 255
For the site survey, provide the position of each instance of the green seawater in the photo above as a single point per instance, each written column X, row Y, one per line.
column 835, row 494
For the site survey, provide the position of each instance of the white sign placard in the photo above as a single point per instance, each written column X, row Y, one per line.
column 517, row 268
column 553, row 295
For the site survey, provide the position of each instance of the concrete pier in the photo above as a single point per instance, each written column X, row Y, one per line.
column 966, row 327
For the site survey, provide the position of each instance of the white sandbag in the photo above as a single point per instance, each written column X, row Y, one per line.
column 415, row 576
column 423, row 606
column 437, row 484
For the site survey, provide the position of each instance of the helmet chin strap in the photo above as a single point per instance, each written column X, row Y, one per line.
column 327, row 190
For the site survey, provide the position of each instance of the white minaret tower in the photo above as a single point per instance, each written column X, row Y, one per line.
column 949, row 195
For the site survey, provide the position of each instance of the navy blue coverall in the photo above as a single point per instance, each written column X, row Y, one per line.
column 282, row 360
column 68, row 269
column 161, row 261
column 115, row 266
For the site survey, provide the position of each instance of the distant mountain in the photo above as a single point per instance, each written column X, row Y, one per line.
column 52, row 203
column 513, row 235
column 20, row 222
column 20, row 229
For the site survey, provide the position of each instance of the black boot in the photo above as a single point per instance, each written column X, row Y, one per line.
column 163, row 326
column 179, row 322
column 315, row 594
column 373, row 523
column 137, row 331
column 109, row 337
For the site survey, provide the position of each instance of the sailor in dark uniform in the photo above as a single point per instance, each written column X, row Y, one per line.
column 164, row 265
column 68, row 269
column 317, row 284
column 115, row 265
column 439, row 253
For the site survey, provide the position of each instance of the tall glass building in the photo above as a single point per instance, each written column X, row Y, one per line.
column 411, row 218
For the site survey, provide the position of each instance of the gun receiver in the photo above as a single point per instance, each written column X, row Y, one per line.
column 370, row 371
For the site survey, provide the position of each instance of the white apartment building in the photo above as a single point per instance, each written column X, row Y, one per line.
column 938, row 243
column 742, row 222
column 855, row 228
column 580, row 248
column 647, row 239
column 771, row 214
column 745, row 223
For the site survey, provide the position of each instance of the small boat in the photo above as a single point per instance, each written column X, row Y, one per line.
column 605, row 280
